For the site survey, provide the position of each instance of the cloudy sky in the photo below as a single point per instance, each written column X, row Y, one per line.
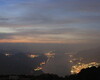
column 49, row 21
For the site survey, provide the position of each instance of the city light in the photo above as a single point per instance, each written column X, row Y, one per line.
column 78, row 67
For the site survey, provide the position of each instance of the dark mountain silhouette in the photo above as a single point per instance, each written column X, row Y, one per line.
column 92, row 73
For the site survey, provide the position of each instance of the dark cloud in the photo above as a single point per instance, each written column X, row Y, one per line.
column 5, row 36
column 52, row 12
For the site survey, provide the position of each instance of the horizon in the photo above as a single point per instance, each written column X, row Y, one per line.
column 49, row 36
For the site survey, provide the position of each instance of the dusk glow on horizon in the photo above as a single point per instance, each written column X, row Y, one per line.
column 49, row 36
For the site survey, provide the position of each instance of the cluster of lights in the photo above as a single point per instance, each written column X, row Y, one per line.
column 49, row 56
column 7, row 54
column 38, row 68
column 78, row 64
column 33, row 56
column 41, row 65
column 78, row 67
column 75, row 60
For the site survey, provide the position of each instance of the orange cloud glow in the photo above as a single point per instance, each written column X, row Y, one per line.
column 41, row 41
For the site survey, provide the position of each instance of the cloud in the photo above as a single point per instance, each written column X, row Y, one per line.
column 5, row 36
column 51, row 12
column 51, row 19
column 50, row 35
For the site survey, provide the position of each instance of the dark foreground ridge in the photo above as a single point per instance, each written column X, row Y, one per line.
column 92, row 73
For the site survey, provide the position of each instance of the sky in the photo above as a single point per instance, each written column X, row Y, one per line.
column 49, row 21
